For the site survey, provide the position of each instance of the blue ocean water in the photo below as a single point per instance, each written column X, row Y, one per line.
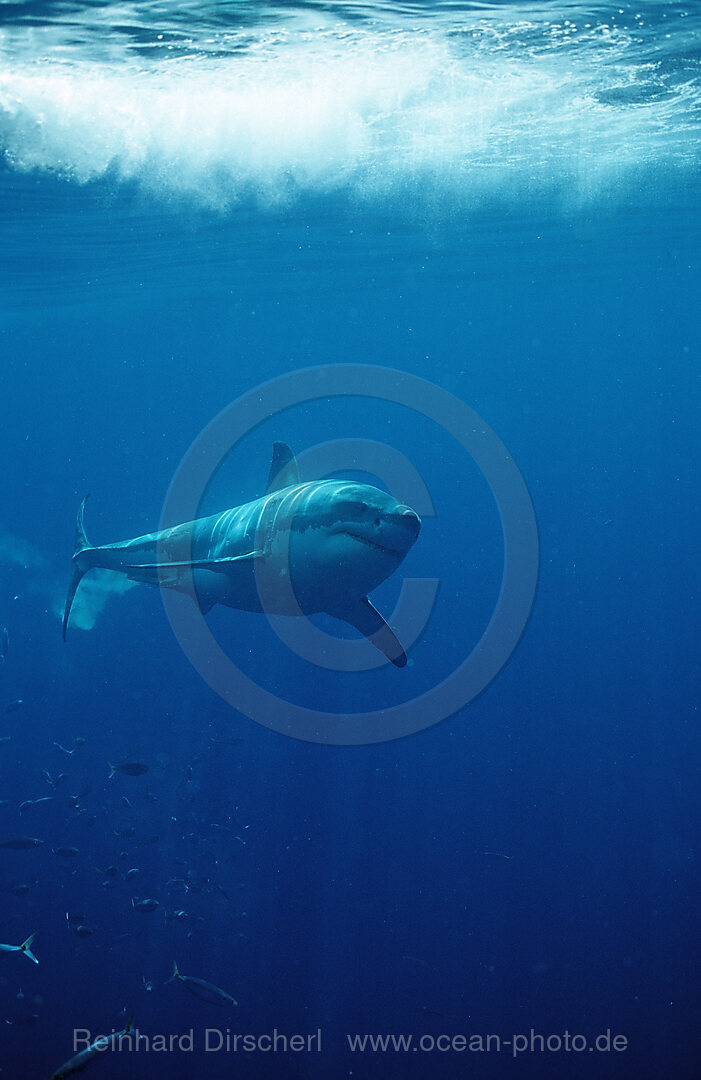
column 500, row 198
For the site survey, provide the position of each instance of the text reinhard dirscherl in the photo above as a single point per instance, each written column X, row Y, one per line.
column 217, row 1040
column 211, row 1040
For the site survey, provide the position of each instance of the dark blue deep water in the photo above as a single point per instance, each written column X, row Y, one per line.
column 502, row 199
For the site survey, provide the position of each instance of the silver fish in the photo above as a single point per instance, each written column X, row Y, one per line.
column 21, row 843
column 144, row 905
column 25, row 948
column 128, row 768
column 202, row 989
column 83, row 1058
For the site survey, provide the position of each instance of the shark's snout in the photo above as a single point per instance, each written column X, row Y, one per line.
column 408, row 519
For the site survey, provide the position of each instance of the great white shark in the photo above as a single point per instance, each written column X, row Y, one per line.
column 302, row 548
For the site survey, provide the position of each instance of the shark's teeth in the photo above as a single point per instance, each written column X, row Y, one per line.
column 371, row 543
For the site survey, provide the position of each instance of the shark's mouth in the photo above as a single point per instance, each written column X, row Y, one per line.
column 372, row 543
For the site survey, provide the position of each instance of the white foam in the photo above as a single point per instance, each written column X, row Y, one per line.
column 399, row 111
column 14, row 551
column 95, row 591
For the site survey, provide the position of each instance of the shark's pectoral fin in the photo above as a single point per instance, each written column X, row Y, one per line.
column 364, row 616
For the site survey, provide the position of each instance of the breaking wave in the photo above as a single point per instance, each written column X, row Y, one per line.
column 442, row 100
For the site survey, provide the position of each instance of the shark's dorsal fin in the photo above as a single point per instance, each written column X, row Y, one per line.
column 284, row 471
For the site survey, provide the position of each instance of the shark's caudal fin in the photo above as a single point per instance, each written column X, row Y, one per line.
column 26, row 948
column 81, row 544
column 284, row 471
column 175, row 975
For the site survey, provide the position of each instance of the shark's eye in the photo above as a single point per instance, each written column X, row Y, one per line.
column 358, row 508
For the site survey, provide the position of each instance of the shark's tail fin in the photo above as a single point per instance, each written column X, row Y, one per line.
column 26, row 948
column 175, row 975
column 81, row 544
